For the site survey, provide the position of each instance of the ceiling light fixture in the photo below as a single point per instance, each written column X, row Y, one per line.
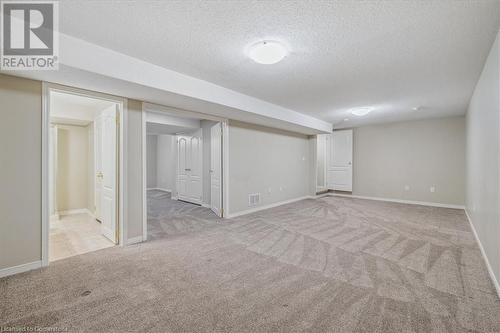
column 267, row 52
column 361, row 111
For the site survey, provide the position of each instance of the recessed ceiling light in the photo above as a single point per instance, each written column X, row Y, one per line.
column 416, row 108
column 346, row 119
column 361, row 111
column 267, row 52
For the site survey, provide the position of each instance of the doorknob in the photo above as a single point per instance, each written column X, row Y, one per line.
column 211, row 170
column 100, row 175
column 350, row 163
column 187, row 169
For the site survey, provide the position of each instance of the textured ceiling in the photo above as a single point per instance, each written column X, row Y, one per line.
column 392, row 55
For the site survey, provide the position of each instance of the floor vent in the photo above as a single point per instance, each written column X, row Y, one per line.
column 253, row 199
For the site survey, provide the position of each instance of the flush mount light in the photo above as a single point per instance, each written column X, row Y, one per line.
column 361, row 111
column 267, row 52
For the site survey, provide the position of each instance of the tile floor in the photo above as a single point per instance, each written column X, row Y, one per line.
column 76, row 234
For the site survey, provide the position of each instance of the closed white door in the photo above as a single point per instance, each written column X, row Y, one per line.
column 189, row 167
column 108, row 160
column 339, row 153
column 216, row 169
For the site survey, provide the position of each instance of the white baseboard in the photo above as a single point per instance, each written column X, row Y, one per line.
column 490, row 270
column 20, row 268
column 410, row 202
column 159, row 189
column 259, row 208
column 206, row 205
column 134, row 240
column 75, row 211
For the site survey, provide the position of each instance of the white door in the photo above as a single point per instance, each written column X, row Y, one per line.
column 108, row 160
column 189, row 167
column 98, row 166
column 216, row 169
column 339, row 152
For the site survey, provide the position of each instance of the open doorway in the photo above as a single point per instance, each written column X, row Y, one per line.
column 183, row 172
column 83, row 172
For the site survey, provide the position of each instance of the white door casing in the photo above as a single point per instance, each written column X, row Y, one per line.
column 339, row 156
column 321, row 162
column 216, row 169
column 98, row 166
column 53, row 171
column 109, row 175
column 189, row 167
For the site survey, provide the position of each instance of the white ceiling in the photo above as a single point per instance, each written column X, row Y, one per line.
column 75, row 109
column 392, row 55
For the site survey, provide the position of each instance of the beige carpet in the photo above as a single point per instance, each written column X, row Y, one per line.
column 326, row 265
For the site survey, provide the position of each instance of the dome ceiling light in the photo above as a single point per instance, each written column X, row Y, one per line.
column 267, row 52
column 361, row 111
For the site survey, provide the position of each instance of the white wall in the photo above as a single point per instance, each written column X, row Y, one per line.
column 72, row 167
column 166, row 162
column 151, row 160
column 263, row 159
column 421, row 154
column 483, row 155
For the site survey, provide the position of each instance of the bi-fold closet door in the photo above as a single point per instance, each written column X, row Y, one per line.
column 339, row 147
column 189, row 167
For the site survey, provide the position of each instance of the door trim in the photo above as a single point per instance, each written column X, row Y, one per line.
column 150, row 107
column 47, row 88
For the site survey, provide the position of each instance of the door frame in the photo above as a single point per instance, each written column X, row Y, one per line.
column 47, row 88
column 150, row 107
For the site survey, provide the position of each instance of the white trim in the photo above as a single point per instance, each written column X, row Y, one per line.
column 75, row 211
column 206, row 205
column 159, row 189
column 20, row 268
column 135, row 240
column 276, row 204
column 122, row 166
column 144, row 174
column 410, row 202
column 485, row 258
column 225, row 168
column 45, row 174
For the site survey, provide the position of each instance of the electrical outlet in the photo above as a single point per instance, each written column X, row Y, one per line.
column 407, row 187
column 433, row 189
